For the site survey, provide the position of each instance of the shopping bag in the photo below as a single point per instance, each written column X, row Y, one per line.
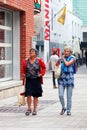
column 57, row 71
column 21, row 96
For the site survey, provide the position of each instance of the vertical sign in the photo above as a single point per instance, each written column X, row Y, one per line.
column 46, row 31
column 47, row 26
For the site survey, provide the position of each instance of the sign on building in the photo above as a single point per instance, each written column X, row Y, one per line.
column 37, row 6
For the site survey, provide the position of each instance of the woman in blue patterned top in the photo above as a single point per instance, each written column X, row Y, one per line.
column 66, row 79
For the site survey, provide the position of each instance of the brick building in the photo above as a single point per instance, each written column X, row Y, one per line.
column 16, row 31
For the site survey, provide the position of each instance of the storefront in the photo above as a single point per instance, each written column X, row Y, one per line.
column 6, row 45
column 16, row 31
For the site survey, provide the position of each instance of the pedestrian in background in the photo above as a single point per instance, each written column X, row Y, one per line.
column 53, row 59
column 86, row 57
column 66, row 80
column 33, row 70
column 77, row 62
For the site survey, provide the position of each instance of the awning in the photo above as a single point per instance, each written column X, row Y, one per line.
column 83, row 45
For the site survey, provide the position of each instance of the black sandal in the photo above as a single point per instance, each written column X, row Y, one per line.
column 34, row 113
column 27, row 113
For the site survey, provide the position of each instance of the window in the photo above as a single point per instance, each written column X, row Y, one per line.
column 5, row 45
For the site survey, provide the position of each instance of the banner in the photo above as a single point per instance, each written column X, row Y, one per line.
column 47, row 18
column 46, row 31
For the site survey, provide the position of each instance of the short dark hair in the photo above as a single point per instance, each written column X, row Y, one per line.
column 34, row 49
column 54, row 52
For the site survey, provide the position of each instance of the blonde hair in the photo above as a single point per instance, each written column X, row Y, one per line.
column 69, row 48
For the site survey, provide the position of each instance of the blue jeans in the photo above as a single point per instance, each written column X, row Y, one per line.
column 69, row 97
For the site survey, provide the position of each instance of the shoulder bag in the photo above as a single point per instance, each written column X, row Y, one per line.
column 57, row 71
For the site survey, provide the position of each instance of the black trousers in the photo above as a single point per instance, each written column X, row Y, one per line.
column 86, row 62
column 53, row 79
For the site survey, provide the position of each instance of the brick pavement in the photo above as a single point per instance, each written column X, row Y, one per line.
column 13, row 118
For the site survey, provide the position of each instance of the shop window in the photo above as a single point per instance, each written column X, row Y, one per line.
column 5, row 45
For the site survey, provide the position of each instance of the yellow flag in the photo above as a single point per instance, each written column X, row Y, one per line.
column 62, row 16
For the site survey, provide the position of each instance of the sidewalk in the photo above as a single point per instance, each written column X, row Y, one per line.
column 13, row 118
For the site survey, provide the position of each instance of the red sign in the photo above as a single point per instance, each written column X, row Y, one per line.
column 47, row 26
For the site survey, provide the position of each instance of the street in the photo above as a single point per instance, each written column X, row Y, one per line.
column 13, row 118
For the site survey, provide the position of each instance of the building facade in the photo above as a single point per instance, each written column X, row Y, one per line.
column 68, row 33
column 80, row 9
column 16, row 31
column 52, row 34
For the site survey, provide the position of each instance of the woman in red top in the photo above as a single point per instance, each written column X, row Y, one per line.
column 33, row 70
